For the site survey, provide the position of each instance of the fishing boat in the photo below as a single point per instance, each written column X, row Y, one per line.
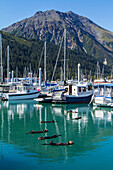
column 103, row 95
column 74, row 93
column 20, row 91
column 79, row 92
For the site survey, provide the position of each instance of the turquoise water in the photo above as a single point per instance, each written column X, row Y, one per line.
column 92, row 136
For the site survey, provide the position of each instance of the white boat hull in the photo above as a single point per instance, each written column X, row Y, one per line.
column 21, row 96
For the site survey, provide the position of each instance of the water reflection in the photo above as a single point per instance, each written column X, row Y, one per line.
column 103, row 116
column 20, row 117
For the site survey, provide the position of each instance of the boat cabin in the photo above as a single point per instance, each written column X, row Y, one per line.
column 103, row 93
column 78, row 89
column 4, row 88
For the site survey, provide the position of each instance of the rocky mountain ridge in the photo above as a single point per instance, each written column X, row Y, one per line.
column 50, row 25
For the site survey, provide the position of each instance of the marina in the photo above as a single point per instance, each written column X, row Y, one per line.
column 92, row 136
column 56, row 88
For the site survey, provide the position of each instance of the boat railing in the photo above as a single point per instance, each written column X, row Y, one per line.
column 12, row 91
column 85, row 93
column 108, row 93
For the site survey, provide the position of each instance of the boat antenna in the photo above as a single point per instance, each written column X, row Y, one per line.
column 64, row 53
column 67, row 69
column 78, row 72
column 17, row 74
column 103, row 72
column 61, row 76
column 45, row 61
column 98, row 70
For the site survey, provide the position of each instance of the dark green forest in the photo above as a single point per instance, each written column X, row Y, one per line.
column 23, row 52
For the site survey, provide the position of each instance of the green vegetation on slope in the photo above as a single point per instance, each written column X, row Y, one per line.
column 23, row 52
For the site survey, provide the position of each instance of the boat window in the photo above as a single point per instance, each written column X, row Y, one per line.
column 101, row 91
column 26, row 88
column 108, row 91
column 66, row 89
column 6, row 89
column 90, row 87
column 20, row 88
column 15, row 88
column 84, row 89
column 112, row 92
column 79, row 89
column 96, row 90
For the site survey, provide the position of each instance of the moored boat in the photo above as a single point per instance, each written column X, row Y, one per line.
column 103, row 95
column 21, row 92
column 74, row 93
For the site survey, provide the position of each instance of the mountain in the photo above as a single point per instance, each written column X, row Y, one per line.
column 84, row 38
column 50, row 25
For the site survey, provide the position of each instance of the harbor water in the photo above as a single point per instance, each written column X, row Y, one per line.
column 92, row 136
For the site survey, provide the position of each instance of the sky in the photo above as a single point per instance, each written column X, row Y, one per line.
column 99, row 11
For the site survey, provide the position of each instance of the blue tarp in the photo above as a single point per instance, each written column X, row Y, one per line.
column 58, row 90
column 49, row 84
column 101, row 85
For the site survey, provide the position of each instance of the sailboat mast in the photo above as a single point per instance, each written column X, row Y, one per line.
column 7, row 63
column 79, row 72
column 1, row 57
column 45, row 61
column 64, row 52
column 67, row 69
column 17, row 74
